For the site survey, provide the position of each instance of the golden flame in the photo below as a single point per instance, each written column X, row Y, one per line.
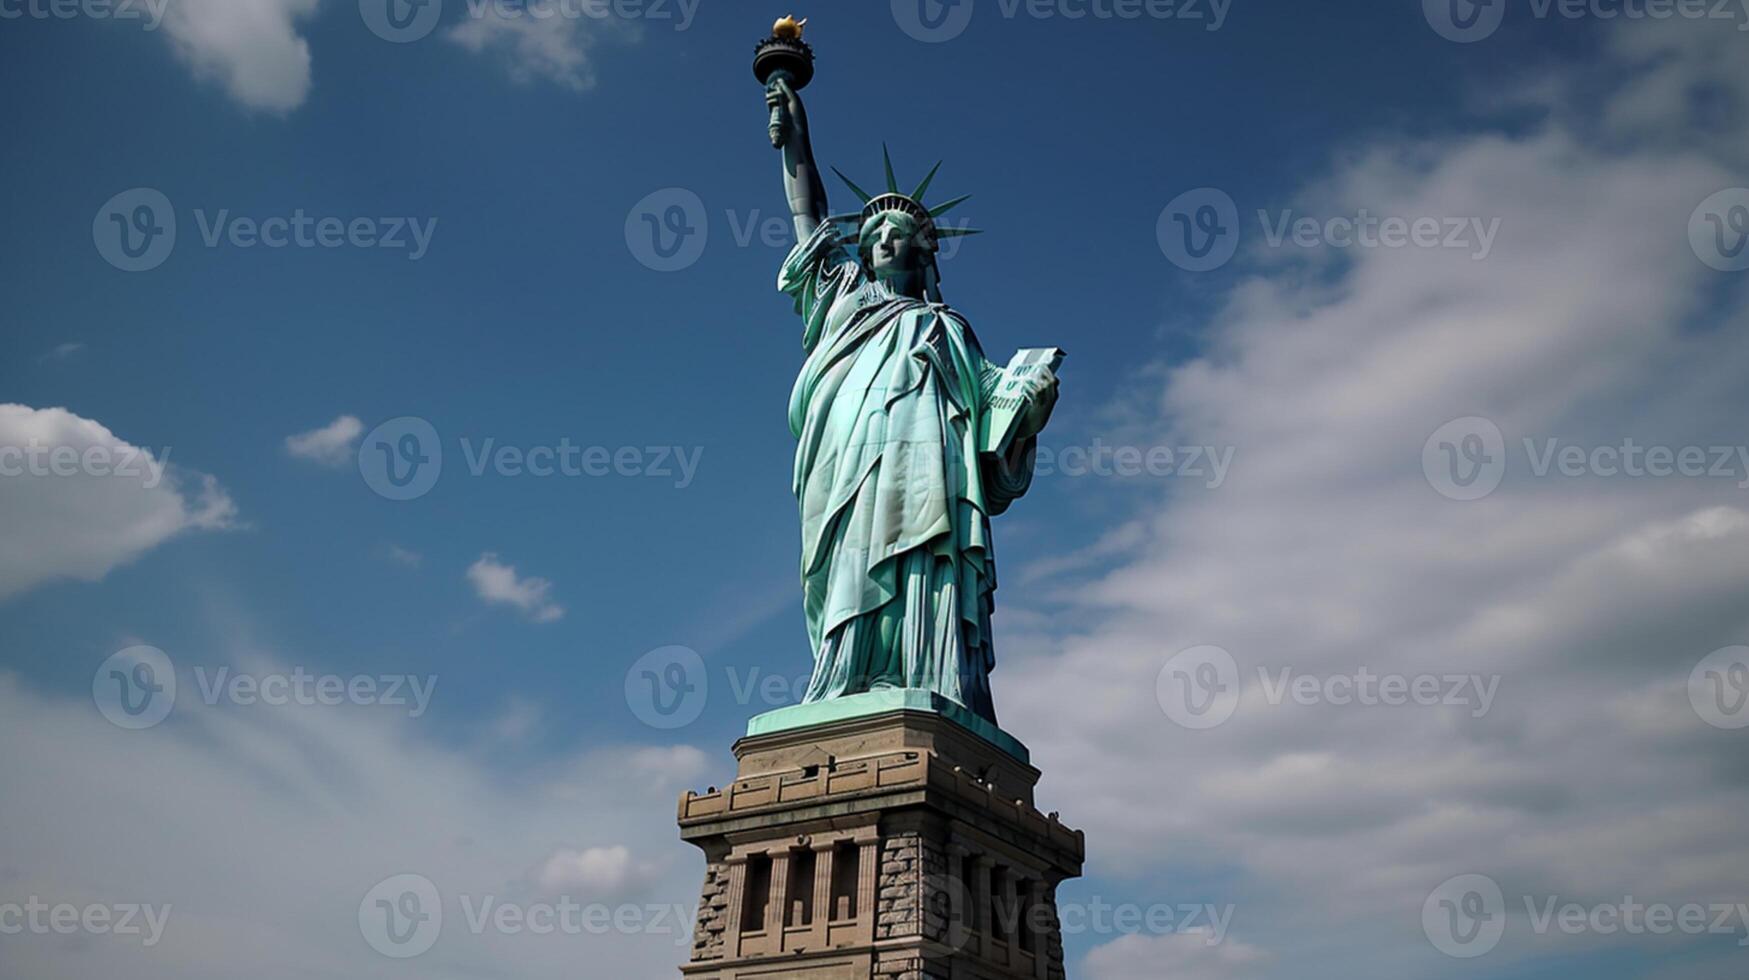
column 788, row 28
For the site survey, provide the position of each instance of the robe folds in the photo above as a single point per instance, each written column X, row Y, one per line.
column 898, row 575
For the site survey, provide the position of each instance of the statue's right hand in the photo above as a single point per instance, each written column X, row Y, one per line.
column 792, row 117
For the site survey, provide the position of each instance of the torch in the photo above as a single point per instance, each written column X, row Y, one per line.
column 783, row 55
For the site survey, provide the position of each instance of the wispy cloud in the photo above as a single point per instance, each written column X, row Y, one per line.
column 270, row 824
column 403, row 556
column 608, row 872
column 61, row 352
column 553, row 49
column 1192, row 954
column 1329, row 552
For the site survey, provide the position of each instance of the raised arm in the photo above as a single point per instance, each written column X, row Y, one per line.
column 801, row 177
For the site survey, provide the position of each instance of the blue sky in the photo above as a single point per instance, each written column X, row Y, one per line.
column 1574, row 165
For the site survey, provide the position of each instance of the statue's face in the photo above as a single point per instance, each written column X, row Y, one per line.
column 892, row 248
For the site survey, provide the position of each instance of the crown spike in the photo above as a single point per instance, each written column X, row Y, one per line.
column 859, row 192
column 917, row 195
column 952, row 232
column 941, row 209
column 887, row 161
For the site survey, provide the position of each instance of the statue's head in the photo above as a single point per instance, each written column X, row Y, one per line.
column 897, row 238
column 894, row 245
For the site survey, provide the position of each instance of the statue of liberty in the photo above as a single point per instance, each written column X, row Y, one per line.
column 895, row 473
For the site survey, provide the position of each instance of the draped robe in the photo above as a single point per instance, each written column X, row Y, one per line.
column 897, row 570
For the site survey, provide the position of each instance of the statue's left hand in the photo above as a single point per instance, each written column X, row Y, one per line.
column 1041, row 398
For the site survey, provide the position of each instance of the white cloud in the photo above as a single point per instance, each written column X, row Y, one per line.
column 331, row 445
column 1188, row 955
column 1327, row 550
column 79, row 501
column 553, row 49
column 496, row 582
column 251, row 47
column 267, row 826
column 594, row 874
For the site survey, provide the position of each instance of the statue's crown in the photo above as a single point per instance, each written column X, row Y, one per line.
column 893, row 201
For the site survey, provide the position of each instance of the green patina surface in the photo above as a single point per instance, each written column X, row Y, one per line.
column 908, row 441
column 881, row 701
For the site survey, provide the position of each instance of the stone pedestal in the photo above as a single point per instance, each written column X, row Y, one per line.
column 900, row 845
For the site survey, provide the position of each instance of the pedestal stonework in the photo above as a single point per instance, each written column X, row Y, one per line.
column 898, row 845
